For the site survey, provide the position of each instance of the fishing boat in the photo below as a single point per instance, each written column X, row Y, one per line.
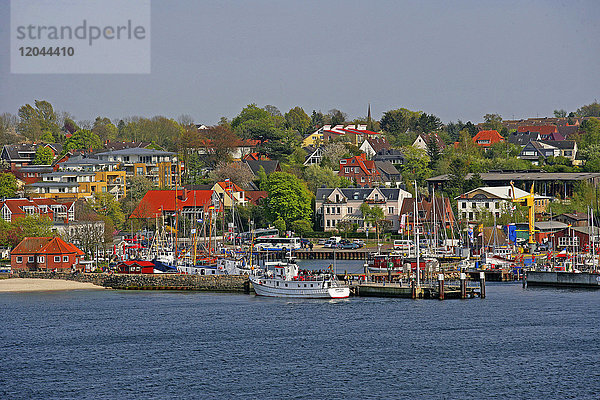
column 284, row 279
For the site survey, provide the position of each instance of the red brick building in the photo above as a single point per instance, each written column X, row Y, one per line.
column 360, row 170
column 45, row 253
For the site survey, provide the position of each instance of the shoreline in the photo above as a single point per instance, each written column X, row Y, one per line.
column 23, row 285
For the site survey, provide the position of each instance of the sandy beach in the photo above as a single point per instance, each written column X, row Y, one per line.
column 35, row 285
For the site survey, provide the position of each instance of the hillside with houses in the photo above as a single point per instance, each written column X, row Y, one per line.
column 293, row 171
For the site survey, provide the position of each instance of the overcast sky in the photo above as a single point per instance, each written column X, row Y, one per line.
column 455, row 59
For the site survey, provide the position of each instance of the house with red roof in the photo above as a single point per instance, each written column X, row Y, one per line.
column 13, row 209
column 46, row 254
column 191, row 203
column 229, row 193
column 360, row 170
column 487, row 138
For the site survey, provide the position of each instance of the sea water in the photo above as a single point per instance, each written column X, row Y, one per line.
column 517, row 343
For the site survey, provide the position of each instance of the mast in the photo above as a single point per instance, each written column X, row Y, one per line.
column 415, row 221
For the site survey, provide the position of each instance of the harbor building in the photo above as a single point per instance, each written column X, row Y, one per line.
column 334, row 205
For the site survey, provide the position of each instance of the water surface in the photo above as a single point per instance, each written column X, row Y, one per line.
column 516, row 343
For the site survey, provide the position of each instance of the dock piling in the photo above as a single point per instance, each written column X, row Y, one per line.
column 463, row 285
column 441, row 286
column 482, row 284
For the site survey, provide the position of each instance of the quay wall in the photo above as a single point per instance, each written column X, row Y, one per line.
column 214, row 283
column 566, row 279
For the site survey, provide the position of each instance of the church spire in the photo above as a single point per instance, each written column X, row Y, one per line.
column 369, row 121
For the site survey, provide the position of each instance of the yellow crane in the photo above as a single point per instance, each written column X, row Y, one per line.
column 529, row 201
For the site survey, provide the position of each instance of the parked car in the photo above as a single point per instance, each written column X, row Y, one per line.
column 304, row 242
column 322, row 241
column 345, row 244
column 359, row 242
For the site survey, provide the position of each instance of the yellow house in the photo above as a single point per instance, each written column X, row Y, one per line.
column 313, row 139
column 227, row 191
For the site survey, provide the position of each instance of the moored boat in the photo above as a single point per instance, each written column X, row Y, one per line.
column 283, row 279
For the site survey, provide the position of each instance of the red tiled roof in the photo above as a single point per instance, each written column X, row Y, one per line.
column 253, row 196
column 230, row 185
column 45, row 245
column 365, row 165
column 490, row 136
column 141, row 263
column 542, row 129
column 156, row 200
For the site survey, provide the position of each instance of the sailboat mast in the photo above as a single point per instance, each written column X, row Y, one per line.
column 415, row 222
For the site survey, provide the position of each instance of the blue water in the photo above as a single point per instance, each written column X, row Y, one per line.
column 516, row 343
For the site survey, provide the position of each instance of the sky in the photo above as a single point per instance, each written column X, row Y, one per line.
column 455, row 59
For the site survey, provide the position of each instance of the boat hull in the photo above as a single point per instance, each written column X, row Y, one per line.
column 297, row 289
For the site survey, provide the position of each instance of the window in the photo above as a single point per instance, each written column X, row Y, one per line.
column 356, row 170
column 390, row 210
column 140, row 171
column 464, row 204
column 65, row 258
column 343, row 162
column 487, row 205
column 30, row 259
column 56, row 259
column 327, row 212
column 19, row 259
column 41, row 259
column 347, row 170
column 362, row 179
column 339, row 210
column 328, row 223
column 350, row 210
column 470, row 215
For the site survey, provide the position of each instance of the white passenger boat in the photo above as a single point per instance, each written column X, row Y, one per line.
column 283, row 279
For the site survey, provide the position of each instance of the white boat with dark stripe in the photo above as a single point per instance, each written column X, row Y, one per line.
column 283, row 279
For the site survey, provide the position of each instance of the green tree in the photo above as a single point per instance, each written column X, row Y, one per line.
column 105, row 129
column 296, row 119
column 317, row 119
column 346, row 227
column 590, row 110
column 591, row 155
column 317, row 176
column 137, row 187
column 82, row 139
column 250, row 113
column 301, row 227
column 416, row 165
column 591, row 127
column 8, row 185
column 337, row 117
column 288, row 199
column 43, row 156
column 8, row 132
column 47, row 138
column 106, row 205
column 70, row 126
column 560, row 113
column 35, row 120
column 373, row 215
column 493, row 121
column 399, row 122
column 13, row 233
column 280, row 225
